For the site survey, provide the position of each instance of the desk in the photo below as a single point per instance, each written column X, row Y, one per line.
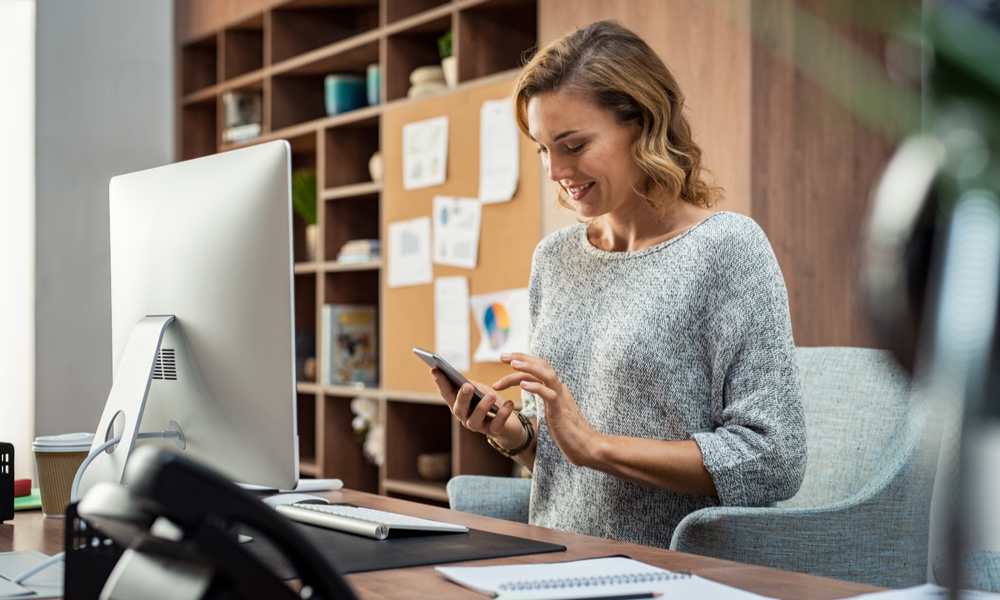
column 30, row 531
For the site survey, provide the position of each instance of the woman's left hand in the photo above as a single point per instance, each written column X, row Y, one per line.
column 570, row 430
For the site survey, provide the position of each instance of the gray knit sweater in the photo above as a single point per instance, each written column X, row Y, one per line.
column 689, row 339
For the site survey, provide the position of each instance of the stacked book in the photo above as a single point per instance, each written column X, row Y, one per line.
column 244, row 115
column 359, row 251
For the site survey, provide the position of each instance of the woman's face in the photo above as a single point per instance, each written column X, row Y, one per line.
column 588, row 152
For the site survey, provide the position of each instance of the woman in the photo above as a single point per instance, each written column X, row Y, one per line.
column 661, row 377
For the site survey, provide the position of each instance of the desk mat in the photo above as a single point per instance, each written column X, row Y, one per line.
column 355, row 554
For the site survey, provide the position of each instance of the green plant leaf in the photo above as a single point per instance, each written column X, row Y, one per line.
column 304, row 194
column 444, row 45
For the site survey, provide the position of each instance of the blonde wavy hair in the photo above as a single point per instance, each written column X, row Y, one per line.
column 619, row 72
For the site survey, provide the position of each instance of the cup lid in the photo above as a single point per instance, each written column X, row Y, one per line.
column 67, row 442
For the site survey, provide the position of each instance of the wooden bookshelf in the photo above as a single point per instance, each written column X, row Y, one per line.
column 284, row 49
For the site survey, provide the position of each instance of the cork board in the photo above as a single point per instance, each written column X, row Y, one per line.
column 510, row 231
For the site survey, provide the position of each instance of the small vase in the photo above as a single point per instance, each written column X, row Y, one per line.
column 312, row 242
column 450, row 67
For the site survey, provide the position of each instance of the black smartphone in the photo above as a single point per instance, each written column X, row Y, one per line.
column 456, row 379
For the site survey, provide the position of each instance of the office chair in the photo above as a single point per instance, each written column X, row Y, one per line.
column 863, row 511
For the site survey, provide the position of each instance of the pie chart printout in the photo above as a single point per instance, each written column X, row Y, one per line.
column 497, row 325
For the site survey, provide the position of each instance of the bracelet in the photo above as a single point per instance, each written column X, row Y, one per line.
column 528, row 429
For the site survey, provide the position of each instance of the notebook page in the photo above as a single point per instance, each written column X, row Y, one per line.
column 493, row 580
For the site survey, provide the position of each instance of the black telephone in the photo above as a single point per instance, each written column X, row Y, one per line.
column 177, row 520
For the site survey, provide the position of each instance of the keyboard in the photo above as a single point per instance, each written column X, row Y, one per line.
column 376, row 524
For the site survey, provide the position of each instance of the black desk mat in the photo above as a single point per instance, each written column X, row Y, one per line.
column 354, row 554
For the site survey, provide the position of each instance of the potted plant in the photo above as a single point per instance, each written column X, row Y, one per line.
column 448, row 62
column 304, row 203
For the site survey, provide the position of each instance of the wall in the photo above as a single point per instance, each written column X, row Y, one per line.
column 17, row 231
column 104, row 89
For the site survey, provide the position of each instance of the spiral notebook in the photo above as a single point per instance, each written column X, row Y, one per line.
column 595, row 577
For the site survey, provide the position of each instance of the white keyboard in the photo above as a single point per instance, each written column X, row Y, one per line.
column 368, row 522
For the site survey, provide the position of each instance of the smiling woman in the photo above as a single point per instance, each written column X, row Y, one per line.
column 661, row 375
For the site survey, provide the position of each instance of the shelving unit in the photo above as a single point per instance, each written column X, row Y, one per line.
column 285, row 50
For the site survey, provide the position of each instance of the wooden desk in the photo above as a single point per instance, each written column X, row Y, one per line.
column 30, row 531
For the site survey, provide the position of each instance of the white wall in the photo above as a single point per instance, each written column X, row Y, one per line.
column 17, row 230
column 105, row 98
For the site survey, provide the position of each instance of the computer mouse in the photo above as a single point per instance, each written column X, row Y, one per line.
column 293, row 498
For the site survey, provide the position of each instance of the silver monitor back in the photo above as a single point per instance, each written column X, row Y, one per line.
column 208, row 241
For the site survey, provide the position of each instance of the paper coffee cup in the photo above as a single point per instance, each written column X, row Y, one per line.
column 57, row 458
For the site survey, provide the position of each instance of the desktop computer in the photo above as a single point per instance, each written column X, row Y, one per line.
column 202, row 301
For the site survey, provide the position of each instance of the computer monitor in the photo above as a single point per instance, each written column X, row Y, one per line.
column 202, row 301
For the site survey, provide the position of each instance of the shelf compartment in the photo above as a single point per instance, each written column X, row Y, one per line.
column 348, row 149
column 200, row 64
column 349, row 219
column 418, row 488
column 396, row 10
column 303, row 26
column 306, row 408
column 305, row 304
column 297, row 96
column 343, row 456
column 243, row 48
column 352, row 287
column 411, row 430
column 496, row 36
column 200, row 128
column 409, row 49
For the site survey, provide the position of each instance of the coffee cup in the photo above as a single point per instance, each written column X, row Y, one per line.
column 57, row 458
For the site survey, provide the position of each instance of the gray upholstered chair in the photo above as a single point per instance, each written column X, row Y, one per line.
column 863, row 511
column 980, row 570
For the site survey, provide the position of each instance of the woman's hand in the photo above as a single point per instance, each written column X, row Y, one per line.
column 570, row 430
column 503, row 427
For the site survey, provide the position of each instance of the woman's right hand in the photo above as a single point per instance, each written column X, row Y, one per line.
column 504, row 427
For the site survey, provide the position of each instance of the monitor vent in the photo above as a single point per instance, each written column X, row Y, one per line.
column 166, row 365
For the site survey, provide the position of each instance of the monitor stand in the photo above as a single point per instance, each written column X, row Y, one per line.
column 123, row 411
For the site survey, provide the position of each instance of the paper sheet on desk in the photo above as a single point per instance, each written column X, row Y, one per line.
column 928, row 591
column 594, row 577
column 45, row 584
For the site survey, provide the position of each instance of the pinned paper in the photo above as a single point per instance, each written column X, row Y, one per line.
column 452, row 337
column 456, row 231
column 499, row 151
column 425, row 153
column 410, row 252
column 502, row 318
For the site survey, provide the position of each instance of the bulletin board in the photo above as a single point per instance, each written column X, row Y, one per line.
column 510, row 231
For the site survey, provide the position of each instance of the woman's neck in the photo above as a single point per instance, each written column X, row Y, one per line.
column 642, row 227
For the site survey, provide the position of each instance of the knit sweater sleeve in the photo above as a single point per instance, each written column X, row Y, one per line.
column 756, row 455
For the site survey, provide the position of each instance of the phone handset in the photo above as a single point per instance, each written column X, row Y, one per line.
column 175, row 517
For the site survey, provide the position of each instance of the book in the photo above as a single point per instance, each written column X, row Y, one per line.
column 244, row 112
column 595, row 577
column 349, row 344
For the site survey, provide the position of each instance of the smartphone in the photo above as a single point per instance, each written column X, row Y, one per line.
column 452, row 375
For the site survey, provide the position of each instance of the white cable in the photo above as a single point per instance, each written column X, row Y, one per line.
column 75, row 491
column 40, row 566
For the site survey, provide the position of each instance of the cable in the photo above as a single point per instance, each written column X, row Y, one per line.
column 75, row 492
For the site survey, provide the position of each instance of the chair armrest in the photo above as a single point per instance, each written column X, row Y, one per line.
column 498, row 497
